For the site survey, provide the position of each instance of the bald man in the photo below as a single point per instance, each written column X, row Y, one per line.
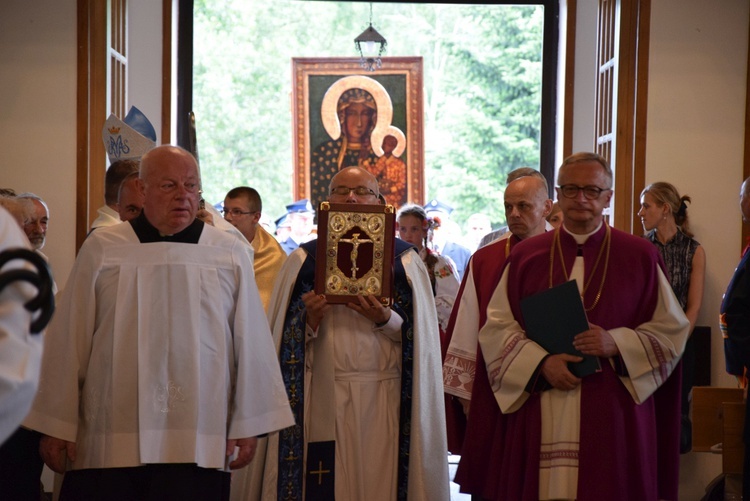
column 160, row 371
column 364, row 381
column 512, row 176
column 465, row 376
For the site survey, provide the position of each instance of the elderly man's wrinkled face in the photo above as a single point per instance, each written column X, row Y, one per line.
column 36, row 227
column 172, row 189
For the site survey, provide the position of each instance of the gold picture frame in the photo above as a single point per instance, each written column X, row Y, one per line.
column 355, row 252
column 396, row 90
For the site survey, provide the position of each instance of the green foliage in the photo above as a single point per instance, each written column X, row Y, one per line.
column 482, row 82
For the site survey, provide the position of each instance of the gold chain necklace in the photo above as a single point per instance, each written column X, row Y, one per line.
column 606, row 243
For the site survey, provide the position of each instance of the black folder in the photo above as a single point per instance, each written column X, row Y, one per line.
column 553, row 318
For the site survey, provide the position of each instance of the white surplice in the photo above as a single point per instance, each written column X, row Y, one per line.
column 20, row 351
column 364, row 404
column 107, row 217
column 459, row 369
column 158, row 353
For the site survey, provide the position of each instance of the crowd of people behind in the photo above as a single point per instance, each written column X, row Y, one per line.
column 443, row 236
column 159, row 375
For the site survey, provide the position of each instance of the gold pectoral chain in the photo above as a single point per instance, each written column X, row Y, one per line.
column 606, row 243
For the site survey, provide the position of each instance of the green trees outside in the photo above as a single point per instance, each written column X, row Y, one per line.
column 482, row 84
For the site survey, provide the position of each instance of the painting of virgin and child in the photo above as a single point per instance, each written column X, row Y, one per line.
column 345, row 120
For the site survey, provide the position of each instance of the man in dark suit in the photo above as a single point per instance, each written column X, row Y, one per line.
column 735, row 327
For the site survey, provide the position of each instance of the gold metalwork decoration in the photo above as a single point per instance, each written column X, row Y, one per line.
column 369, row 230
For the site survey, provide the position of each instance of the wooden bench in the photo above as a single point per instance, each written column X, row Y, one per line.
column 718, row 421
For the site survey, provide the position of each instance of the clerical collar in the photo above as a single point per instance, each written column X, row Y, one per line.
column 581, row 239
column 147, row 233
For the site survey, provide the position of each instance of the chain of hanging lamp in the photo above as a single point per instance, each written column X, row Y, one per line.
column 368, row 41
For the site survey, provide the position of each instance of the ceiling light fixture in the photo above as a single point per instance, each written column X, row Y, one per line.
column 370, row 44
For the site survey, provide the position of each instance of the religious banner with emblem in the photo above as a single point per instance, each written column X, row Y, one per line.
column 355, row 252
column 346, row 116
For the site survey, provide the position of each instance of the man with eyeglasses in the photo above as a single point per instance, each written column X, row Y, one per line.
column 363, row 379
column 242, row 209
column 613, row 434
column 159, row 372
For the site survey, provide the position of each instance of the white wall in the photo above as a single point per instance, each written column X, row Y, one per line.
column 38, row 104
column 695, row 140
column 584, row 97
column 696, row 130
column 38, row 114
column 144, row 59
column 38, row 118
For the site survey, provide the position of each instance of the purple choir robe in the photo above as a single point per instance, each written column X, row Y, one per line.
column 627, row 450
column 474, row 437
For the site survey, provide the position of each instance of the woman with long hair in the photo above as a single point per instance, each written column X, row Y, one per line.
column 664, row 217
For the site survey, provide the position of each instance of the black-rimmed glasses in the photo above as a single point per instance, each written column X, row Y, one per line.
column 590, row 192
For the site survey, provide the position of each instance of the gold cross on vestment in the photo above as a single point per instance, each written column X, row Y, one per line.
column 320, row 472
